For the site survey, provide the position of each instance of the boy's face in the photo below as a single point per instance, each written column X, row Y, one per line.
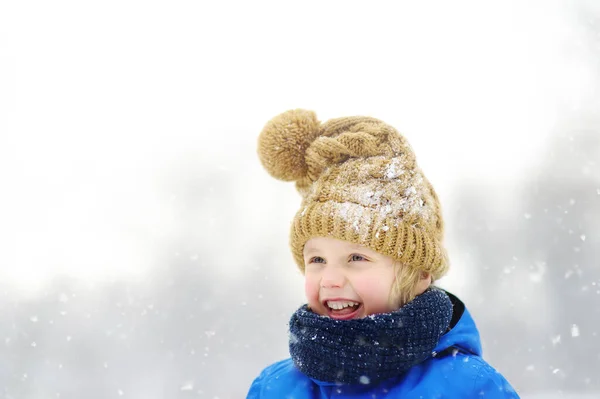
column 347, row 281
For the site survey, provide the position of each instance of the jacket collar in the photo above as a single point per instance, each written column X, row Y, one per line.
column 462, row 336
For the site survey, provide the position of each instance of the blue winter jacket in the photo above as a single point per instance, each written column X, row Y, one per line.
column 455, row 371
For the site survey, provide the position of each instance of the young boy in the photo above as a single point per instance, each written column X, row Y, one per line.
column 368, row 239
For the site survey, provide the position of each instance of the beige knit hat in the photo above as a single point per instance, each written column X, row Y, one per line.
column 360, row 183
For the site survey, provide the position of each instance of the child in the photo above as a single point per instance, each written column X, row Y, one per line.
column 368, row 239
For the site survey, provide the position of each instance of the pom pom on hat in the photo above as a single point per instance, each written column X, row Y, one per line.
column 283, row 142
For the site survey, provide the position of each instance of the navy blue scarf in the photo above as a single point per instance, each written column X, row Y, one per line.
column 371, row 349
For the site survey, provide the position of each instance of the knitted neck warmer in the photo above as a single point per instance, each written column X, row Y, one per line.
column 370, row 349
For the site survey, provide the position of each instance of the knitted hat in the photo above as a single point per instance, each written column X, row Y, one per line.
column 360, row 183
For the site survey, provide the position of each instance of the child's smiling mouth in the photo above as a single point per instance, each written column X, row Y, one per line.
column 342, row 309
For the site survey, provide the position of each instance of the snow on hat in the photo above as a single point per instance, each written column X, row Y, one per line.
column 360, row 183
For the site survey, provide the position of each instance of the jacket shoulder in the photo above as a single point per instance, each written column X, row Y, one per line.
column 281, row 380
column 472, row 377
column 489, row 383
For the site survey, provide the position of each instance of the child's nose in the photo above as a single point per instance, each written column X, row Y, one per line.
column 332, row 278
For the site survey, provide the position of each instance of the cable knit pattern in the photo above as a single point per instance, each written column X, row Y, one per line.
column 368, row 350
column 359, row 182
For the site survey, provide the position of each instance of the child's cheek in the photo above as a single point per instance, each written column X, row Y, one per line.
column 311, row 290
column 375, row 295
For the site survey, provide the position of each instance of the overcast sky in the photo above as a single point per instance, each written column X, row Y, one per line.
column 102, row 102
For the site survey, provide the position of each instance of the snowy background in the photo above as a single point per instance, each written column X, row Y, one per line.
column 143, row 250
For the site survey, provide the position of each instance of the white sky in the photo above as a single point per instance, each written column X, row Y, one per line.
column 98, row 100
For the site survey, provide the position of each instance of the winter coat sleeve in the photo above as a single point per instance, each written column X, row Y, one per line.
column 256, row 387
column 489, row 384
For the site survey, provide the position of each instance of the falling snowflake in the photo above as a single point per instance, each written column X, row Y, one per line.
column 574, row 330
column 540, row 270
column 209, row 333
column 188, row 386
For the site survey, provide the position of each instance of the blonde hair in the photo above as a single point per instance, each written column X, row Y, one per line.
column 405, row 284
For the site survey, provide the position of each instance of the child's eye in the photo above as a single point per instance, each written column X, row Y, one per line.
column 357, row 258
column 317, row 259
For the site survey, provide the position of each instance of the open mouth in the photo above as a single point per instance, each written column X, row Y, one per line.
column 342, row 310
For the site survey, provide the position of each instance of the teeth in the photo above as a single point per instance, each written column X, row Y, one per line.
column 340, row 304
